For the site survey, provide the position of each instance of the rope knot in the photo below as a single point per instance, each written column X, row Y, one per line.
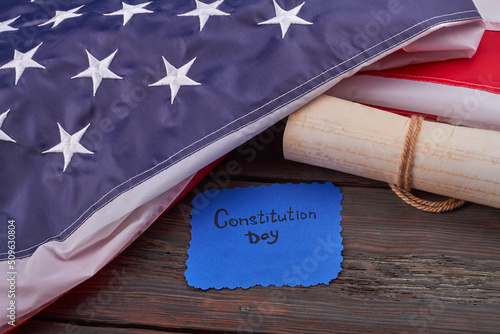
column 403, row 186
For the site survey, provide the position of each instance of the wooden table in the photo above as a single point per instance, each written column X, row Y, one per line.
column 404, row 271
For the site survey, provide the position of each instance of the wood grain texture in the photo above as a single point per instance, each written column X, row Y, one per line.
column 404, row 271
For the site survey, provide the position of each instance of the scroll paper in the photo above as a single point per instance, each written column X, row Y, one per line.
column 449, row 160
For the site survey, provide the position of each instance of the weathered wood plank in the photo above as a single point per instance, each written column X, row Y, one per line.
column 403, row 271
column 48, row 327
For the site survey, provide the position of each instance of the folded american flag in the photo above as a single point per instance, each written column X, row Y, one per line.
column 462, row 91
column 108, row 109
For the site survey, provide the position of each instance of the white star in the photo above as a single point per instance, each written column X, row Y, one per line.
column 98, row 70
column 285, row 18
column 62, row 15
column 204, row 11
column 176, row 77
column 22, row 61
column 4, row 26
column 69, row 145
column 129, row 10
column 3, row 135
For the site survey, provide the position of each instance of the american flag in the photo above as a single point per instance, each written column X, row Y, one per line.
column 108, row 108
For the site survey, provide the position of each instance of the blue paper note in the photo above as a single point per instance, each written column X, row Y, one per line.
column 269, row 235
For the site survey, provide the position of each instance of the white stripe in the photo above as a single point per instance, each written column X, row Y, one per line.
column 456, row 105
column 446, row 41
column 490, row 11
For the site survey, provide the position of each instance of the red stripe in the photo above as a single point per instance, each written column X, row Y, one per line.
column 480, row 72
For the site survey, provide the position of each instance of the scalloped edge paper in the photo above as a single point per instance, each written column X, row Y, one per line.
column 281, row 235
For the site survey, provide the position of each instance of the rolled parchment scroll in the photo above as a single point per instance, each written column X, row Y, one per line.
column 452, row 161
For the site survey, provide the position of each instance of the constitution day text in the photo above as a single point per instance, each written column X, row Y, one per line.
column 221, row 221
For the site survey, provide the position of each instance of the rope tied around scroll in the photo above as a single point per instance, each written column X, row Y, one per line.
column 403, row 186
